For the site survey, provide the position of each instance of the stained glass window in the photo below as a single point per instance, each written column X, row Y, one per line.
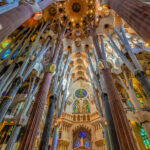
column 129, row 103
column 85, row 107
column 5, row 43
column 82, row 134
column 81, row 137
column 76, row 107
column 141, row 102
column 86, row 144
column 138, row 95
column 144, row 136
column 77, row 143
column 80, row 93
column 6, row 54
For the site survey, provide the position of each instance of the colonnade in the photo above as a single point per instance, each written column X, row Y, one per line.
column 118, row 125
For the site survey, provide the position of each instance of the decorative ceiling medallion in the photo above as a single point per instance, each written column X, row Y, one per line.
column 50, row 12
column 78, row 33
column 76, row 9
column 81, row 93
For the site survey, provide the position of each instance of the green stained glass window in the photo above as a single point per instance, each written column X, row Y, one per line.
column 76, row 107
column 85, row 107
column 138, row 95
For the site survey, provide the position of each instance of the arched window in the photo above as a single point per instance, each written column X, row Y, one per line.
column 81, row 137
column 85, row 107
column 86, row 144
column 76, row 107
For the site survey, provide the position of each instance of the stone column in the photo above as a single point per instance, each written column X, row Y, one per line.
column 108, row 115
column 10, row 96
column 130, row 91
column 143, row 79
column 49, row 117
column 106, row 137
column 13, row 138
column 138, row 71
column 55, row 139
column 36, row 114
column 133, row 12
column 123, row 130
column 48, row 123
column 11, row 20
column 40, row 101
column 110, row 122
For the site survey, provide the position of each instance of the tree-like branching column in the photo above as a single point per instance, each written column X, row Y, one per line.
column 123, row 130
column 40, row 101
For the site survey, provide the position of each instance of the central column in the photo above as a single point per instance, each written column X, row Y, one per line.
column 48, row 123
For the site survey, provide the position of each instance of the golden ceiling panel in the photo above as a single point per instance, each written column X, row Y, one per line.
column 76, row 9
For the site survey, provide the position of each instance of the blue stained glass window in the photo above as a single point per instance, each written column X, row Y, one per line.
column 14, row 54
column 26, row 92
column 82, row 134
column 80, row 93
column 6, row 54
column 86, row 144
column 3, row 93
column 77, row 143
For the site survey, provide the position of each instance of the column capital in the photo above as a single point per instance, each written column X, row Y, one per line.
column 104, row 64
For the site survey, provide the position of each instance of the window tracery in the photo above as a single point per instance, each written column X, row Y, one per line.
column 81, row 137
column 81, row 107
